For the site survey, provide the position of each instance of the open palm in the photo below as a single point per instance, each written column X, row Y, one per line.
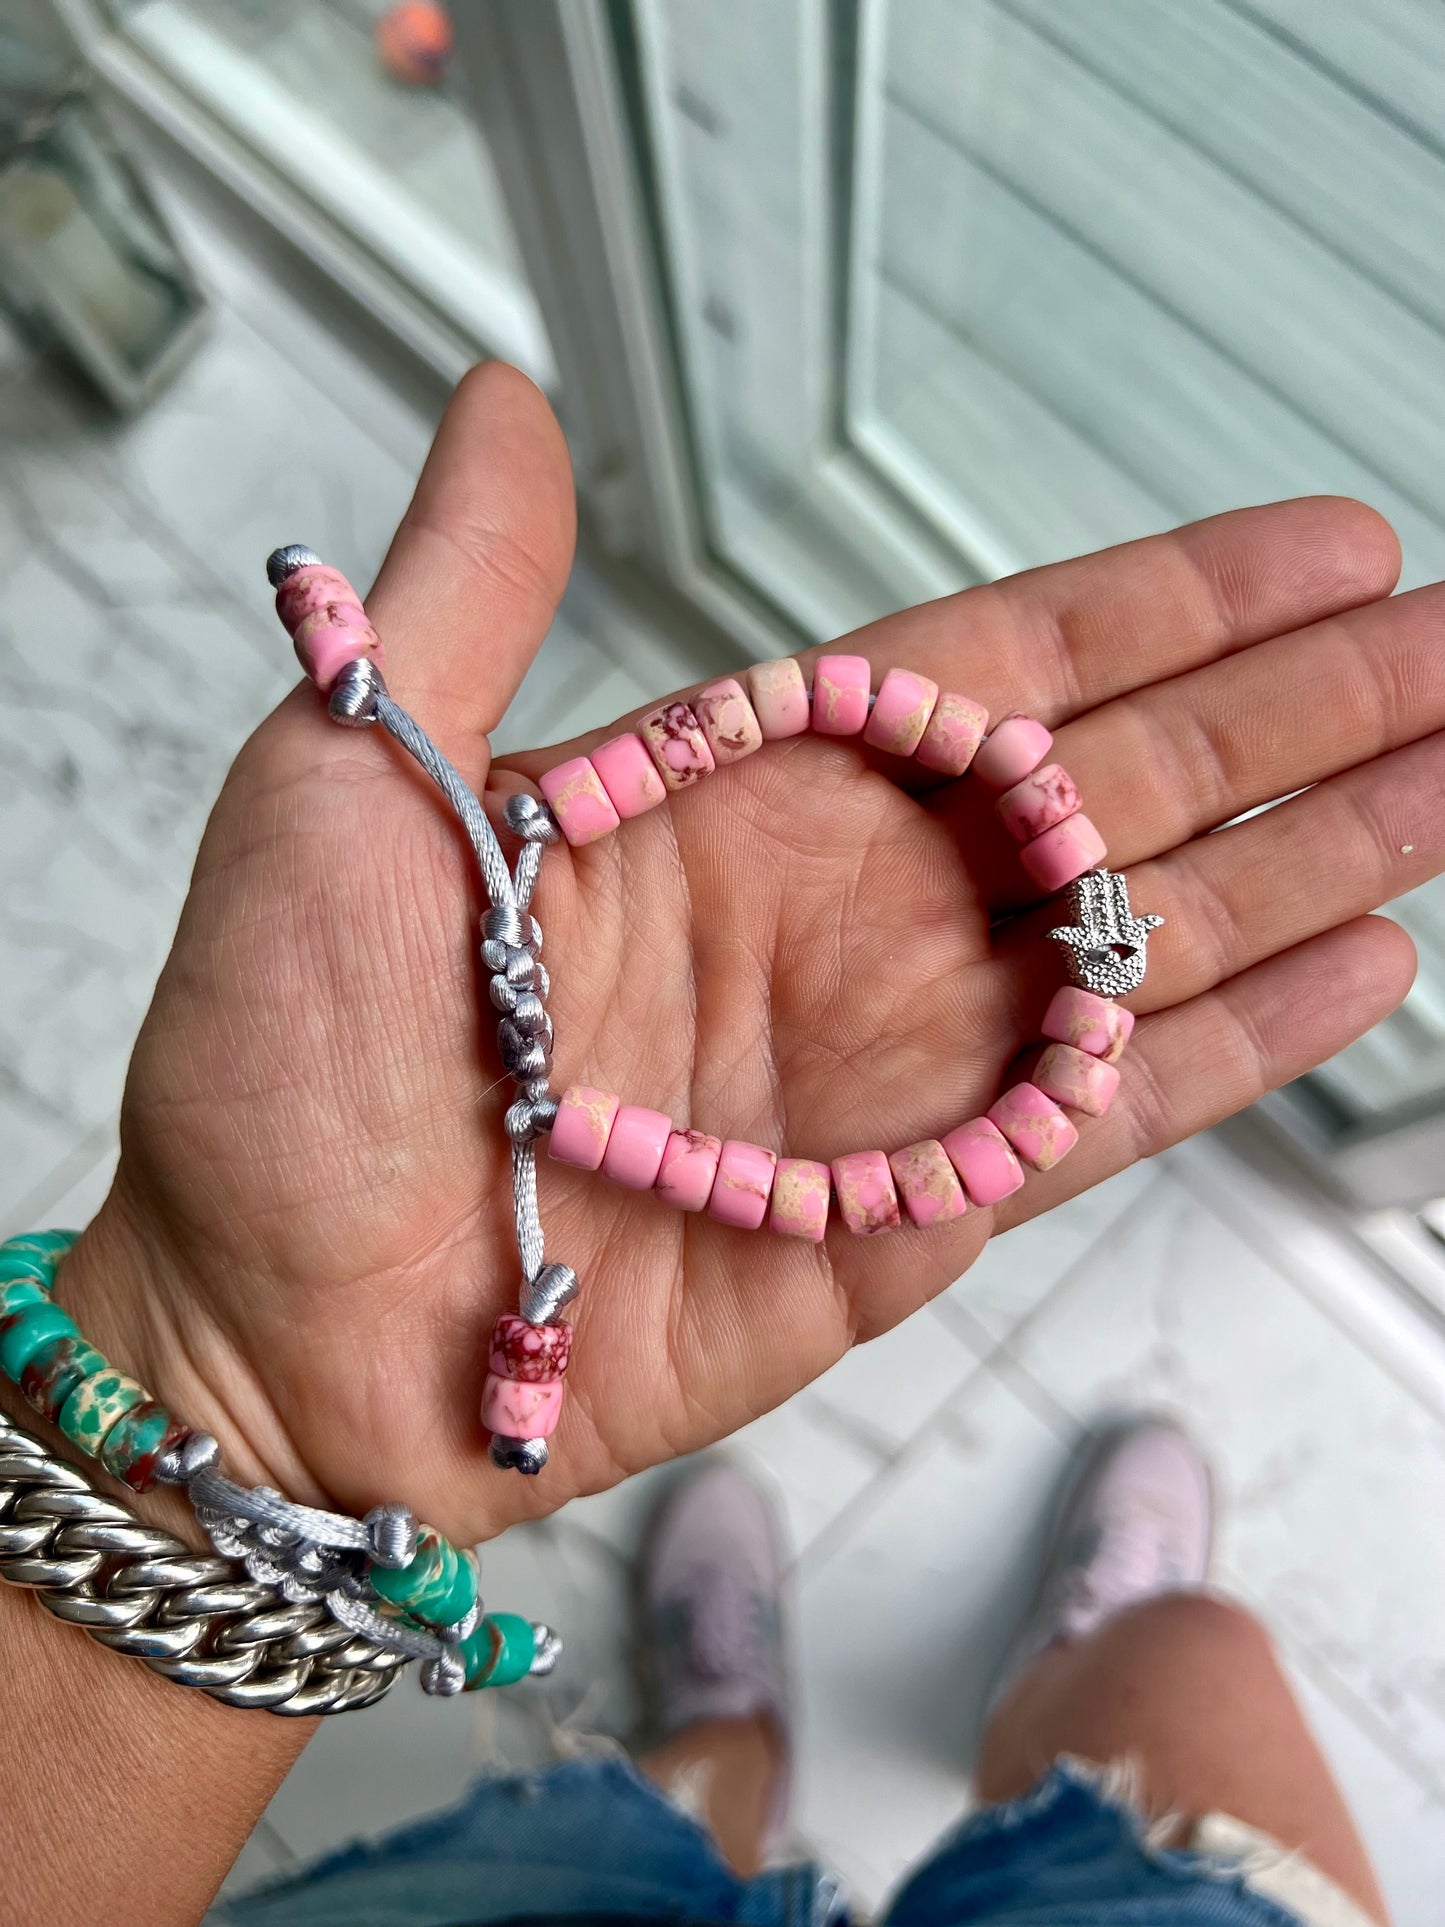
column 310, row 1232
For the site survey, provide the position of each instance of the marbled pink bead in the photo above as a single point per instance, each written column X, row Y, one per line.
column 780, row 698
column 514, row 1409
column 1034, row 1125
column 689, row 1166
column 628, row 775
column 327, row 641
column 727, row 720
column 533, row 1354
column 1063, row 853
column 676, row 743
column 954, row 732
column 927, row 1183
column 1041, row 800
column 983, row 1158
column 801, row 1190
column 313, row 591
column 582, row 1126
column 900, row 715
column 840, row 694
column 1090, row 1023
column 1074, row 1078
column 634, row 1150
column 579, row 802
column 743, row 1184
column 867, row 1200
column 1017, row 745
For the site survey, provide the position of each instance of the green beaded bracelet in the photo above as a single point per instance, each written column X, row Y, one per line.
column 500, row 1652
column 439, row 1586
column 24, row 1332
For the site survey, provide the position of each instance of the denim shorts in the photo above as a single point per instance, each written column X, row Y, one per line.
column 592, row 1840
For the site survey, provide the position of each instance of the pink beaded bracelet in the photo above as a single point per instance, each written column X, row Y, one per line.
column 978, row 1163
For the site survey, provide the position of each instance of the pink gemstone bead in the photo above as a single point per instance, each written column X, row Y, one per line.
column 900, row 715
column 927, row 1183
column 532, row 1354
column 867, row 1200
column 727, row 720
column 634, row 1151
column 1034, row 1125
column 516, row 1410
column 1074, row 1078
column 954, row 732
column 313, row 591
column 689, row 1165
column 1063, row 853
column 780, row 698
column 583, row 1125
column 1090, row 1023
column 983, row 1158
column 327, row 641
column 1017, row 746
column 743, row 1184
column 1040, row 801
column 799, row 1209
column 677, row 744
column 840, row 694
column 628, row 775
column 579, row 802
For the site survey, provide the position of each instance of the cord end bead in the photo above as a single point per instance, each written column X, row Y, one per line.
column 285, row 561
column 352, row 701
column 518, row 1455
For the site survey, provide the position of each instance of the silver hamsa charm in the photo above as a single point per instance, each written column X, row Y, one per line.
column 1106, row 941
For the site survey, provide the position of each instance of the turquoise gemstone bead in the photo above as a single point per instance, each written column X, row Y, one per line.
column 16, row 1264
column 439, row 1586
column 499, row 1652
column 55, row 1371
column 25, row 1331
column 37, row 1253
column 16, row 1293
column 96, row 1404
column 134, row 1445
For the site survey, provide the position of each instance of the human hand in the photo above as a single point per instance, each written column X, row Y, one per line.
column 310, row 1235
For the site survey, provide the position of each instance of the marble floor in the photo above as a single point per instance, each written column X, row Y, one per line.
column 136, row 650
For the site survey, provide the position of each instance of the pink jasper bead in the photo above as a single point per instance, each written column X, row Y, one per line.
column 689, row 1166
column 727, row 720
column 954, row 732
column 582, row 1126
column 867, row 1201
column 780, row 698
column 330, row 639
column 634, row 1151
column 900, row 715
column 1090, row 1023
column 531, row 1354
column 743, row 1184
column 628, row 775
column 1017, row 746
column 1074, row 1078
column 315, row 590
column 927, row 1183
column 799, row 1209
column 1034, row 1125
column 579, row 802
column 677, row 744
column 983, row 1158
column 840, row 694
column 515, row 1410
column 1038, row 803
column 1063, row 853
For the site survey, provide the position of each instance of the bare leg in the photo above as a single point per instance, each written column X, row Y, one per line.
column 1188, row 1687
column 724, row 1773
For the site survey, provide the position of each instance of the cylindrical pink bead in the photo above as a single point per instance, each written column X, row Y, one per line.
column 1034, row 1125
column 629, row 775
column 727, row 720
column 582, row 1126
column 1074, row 1078
column 867, row 1200
column 677, row 745
column 515, row 1409
column 900, row 715
column 1017, row 745
column 1041, row 800
column 1090, row 1023
column 689, row 1166
column 954, row 732
column 1063, row 853
column 743, row 1184
column 780, row 698
column 634, row 1150
column 927, row 1183
column 840, row 694
column 983, row 1158
column 533, row 1354
column 327, row 641
column 579, row 802
column 311, row 591
column 799, row 1208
